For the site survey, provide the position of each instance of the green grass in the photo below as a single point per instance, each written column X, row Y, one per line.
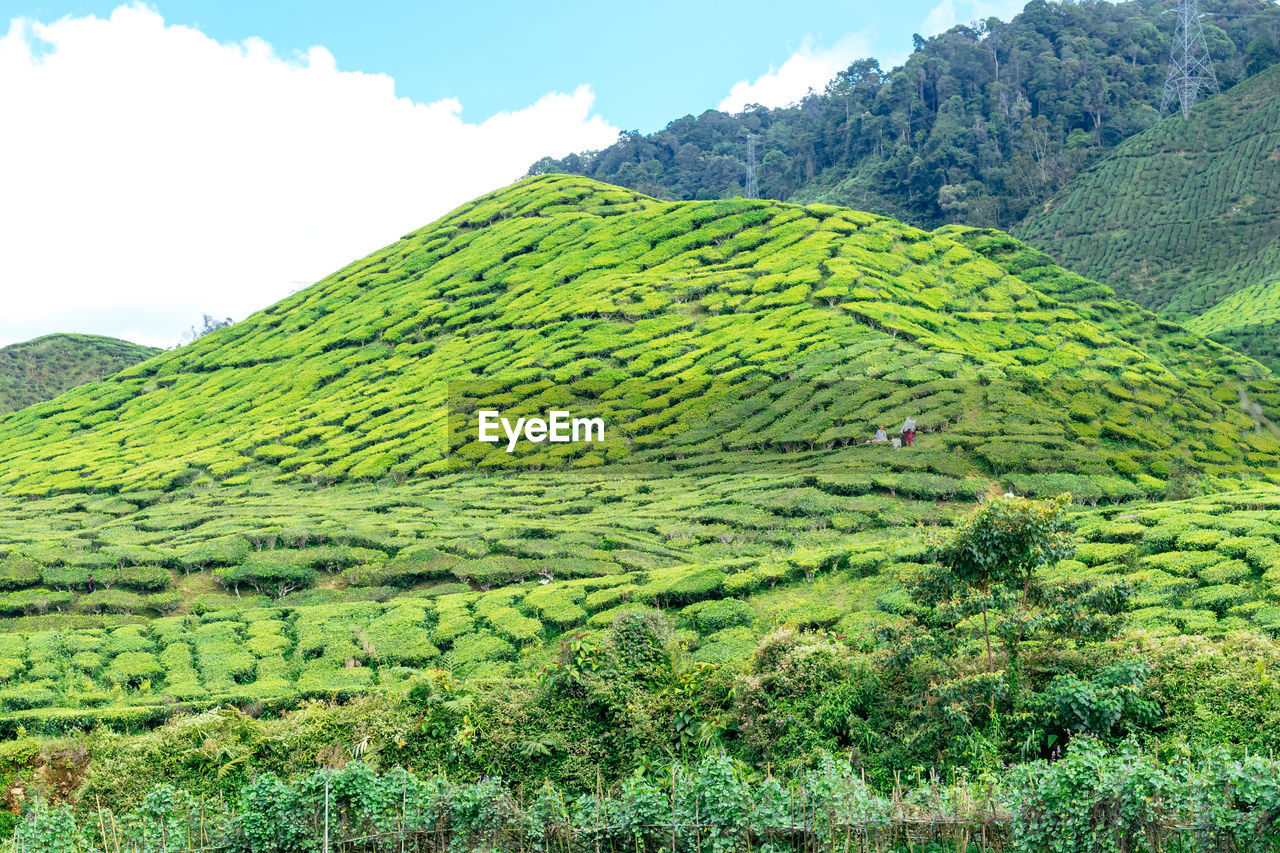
column 41, row 369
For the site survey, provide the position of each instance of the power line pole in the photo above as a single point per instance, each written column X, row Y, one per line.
column 1190, row 66
column 753, row 189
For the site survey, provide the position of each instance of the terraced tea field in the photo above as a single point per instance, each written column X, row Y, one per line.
column 289, row 524
column 1182, row 218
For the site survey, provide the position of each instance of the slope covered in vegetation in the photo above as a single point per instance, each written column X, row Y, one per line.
column 982, row 124
column 719, row 315
column 284, row 517
column 41, row 369
column 1248, row 321
column 1182, row 216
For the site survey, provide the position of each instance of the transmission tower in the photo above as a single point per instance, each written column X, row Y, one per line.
column 1190, row 67
column 753, row 189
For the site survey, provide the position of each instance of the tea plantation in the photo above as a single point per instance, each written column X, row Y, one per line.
column 1248, row 321
column 281, row 544
column 41, row 369
column 1196, row 224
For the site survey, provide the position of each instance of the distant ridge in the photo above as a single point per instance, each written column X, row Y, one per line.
column 1181, row 216
column 42, row 368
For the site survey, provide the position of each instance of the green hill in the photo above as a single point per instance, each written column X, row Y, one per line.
column 1248, row 321
column 1183, row 216
column 561, row 280
column 742, row 353
column 43, row 368
column 291, row 509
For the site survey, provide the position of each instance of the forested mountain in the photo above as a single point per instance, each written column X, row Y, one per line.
column 43, row 368
column 982, row 124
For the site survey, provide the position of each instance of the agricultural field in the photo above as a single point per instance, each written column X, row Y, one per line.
column 487, row 590
column 1182, row 216
column 41, row 369
column 1248, row 321
column 559, row 284
column 278, row 546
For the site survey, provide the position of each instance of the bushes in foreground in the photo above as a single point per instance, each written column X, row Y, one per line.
column 1091, row 800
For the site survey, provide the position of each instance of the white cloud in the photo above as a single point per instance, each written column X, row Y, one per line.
column 149, row 174
column 948, row 13
column 807, row 68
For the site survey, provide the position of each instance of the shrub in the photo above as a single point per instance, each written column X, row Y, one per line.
column 1181, row 562
column 811, row 617
column 164, row 602
column 712, row 616
column 34, row 601
column 267, row 645
column 741, row 583
column 17, row 571
column 605, row 618
column 639, row 636
column 727, row 646
column 130, row 669
column 267, row 576
column 401, row 636
column 139, row 578
column 454, row 622
column 1253, row 549
column 515, row 626
column 222, row 551
column 1200, row 540
column 695, row 587
column 27, row 696
column 1220, row 598
column 129, row 638
column 477, row 647
column 9, row 667
column 612, row 596
column 1098, row 553
column 1229, row 571
column 494, row 571
column 404, row 570
column 111, row 601
column 69, row 578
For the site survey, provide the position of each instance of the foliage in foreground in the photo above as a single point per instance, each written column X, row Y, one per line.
column 1092, row 799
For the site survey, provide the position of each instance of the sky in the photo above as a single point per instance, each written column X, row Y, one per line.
column 166, row 160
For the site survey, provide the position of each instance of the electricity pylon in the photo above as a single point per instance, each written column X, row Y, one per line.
column 753, row 189
column 1190, row 66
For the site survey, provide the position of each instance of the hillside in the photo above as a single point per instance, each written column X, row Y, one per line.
column 280, row 547
column 561, row 280
column 1248, row 321
column 982, row 124
column 43, row 368
column 1183, row 216
column 742, row 353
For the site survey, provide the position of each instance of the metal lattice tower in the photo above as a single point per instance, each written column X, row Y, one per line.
column 753, row 189
column 1190, row 67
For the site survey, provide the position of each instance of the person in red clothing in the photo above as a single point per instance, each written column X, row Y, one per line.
column 90, row 583
column 909, row 432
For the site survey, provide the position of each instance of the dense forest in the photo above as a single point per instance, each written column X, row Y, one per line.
column 982, row 123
